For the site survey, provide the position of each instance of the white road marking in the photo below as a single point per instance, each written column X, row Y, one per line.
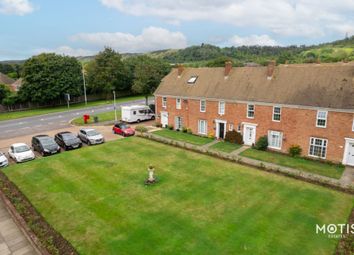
column 42, row 119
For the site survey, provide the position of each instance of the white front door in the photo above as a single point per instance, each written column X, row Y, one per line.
column 164, row 119
column 249, row 134
column 350, row 154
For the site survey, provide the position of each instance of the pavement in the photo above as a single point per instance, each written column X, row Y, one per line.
column 52, row 121
column 348, row 176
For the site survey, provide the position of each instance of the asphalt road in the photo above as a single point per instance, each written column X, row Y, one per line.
column 52, row 121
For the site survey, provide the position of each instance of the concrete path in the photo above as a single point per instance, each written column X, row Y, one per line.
column 209, row 144
column 12, row 239
column 348, row 176
column 239, row 150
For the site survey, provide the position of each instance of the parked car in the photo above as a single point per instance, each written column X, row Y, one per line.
column 45, row 145
column 137, row 113
column 21, row 152
column 68, row 140
column 90, row 136
column 3, row 160
column 123, row 129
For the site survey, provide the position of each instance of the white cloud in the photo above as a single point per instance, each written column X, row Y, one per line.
column 16, row 7
column 151, row 38
column 68, row 51
column 306, row 18
column 262, row 40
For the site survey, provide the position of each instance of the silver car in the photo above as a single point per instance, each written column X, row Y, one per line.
column 90, row 136
column 3, row 160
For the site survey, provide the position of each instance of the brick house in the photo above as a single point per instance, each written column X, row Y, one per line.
column 311, row 105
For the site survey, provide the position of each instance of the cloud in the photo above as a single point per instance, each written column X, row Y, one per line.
column 68, row 51
column 151, row 38
column 305, row 18
column 261, row 40
column 16, row 7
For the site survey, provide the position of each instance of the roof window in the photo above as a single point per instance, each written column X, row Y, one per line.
column 192, row 79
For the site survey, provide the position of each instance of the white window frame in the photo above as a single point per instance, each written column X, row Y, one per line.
column 200, row 105
column 270, row 136
column 248, row 111
column 312, row 142
column 231, row 127
column 178, row 119
column 200, row 131
column 164, row 102
column 221, row 110
column 179, row 103
column 318, row 117
column 353, row 126
column 274, row 113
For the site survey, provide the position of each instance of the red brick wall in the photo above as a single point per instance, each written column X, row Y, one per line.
column 297, row 125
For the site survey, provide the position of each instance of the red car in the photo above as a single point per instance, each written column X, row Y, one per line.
column 123, row 129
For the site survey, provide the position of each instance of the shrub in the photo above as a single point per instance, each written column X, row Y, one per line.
column 295, row 150
column 170, row 127
column 233, row 137
column 184, row 130
column 262, row 143
column 158, row 124
column 211, row 135
column 189, row 131
column 141, row 129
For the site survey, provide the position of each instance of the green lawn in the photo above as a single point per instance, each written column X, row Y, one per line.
column 102, row 117
column 312, row 166
column 225, row 147
column 29, row 113
column 183, row 137
column 96, row 198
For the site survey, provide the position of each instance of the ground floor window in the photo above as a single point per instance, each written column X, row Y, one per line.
column 275, row 139
column 202, row 127
column 178, row 123
column 318, row 147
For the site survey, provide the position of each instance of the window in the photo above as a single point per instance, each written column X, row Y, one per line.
column 276, row 113
column 353, row 126
column 202, row 127
column 164, row 102
column 239, row 128
column 202, row 105
column 178, row 123
column 192, row 79
column 231, row 127
column 221, row 107
column 318, row 147
column 321, row 120
column 250, row 111
column 178, row 103
column 275, row 139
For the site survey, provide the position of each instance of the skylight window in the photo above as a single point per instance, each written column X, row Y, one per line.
column 192, row 79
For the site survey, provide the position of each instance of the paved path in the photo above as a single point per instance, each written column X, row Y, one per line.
column 348, row 176
column 209, row 144
column 239, row 150
column 12, row 239
column 52, row 121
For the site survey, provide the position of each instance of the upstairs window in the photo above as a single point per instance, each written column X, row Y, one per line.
column 202, row 106
column 164, row 102
column 192, row 79
column 353, row 126
column 178, row 103
column 221, row 107
column 250, row 111
column 276, row 113
column 321, row 120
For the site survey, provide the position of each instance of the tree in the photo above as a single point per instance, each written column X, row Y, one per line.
column 148, row 74
column 107, row 72
column 47, row 77
column 4, row 92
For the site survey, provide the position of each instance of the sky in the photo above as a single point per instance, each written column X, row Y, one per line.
column 84, row 27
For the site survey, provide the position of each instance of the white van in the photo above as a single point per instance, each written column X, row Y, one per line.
column 137, row 113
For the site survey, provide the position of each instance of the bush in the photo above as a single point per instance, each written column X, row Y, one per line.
column 211, row 135
column 170, row 127
column 158, row 124
column 295, row 150
column 141, row 129
column 184, row 130
column 262, row 143
column 233, row 137
column 189, row 131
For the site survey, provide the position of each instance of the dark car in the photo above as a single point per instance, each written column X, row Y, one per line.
column 68, row 140
column 45, row 145
column 123, row 129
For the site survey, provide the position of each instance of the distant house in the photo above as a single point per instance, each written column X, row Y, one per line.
column 4, row 79
column 311, row 105
column 14, row 85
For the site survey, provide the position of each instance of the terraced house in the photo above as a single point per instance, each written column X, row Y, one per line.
column 311, row 105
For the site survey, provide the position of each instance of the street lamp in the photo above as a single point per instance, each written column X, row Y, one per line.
column 114, row 106
column 83, row 77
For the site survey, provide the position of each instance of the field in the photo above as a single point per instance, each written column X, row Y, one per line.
column 97, row 199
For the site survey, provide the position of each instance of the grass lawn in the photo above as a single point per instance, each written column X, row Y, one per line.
column 29, row 113
column 102, row 117
column 225, row 147
column 96, row 198
column 183, row 137
column 316, row 167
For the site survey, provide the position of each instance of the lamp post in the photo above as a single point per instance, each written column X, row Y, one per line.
column 114, row 106
column 83, row 77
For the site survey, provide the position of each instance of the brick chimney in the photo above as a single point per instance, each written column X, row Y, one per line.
column 228, row 67
column 180, row 69
column 270, row 69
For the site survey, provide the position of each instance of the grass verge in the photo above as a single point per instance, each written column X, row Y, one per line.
column 225, row 147
column 183, row 137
